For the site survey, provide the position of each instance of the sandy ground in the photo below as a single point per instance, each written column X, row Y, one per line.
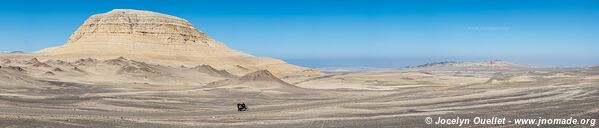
column 393, row 98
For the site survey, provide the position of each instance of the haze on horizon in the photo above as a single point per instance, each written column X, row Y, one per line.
column 348, row 33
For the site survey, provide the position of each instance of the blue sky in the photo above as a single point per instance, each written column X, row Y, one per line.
column 347, row 33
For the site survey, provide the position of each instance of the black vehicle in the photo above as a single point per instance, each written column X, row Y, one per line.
column 242, row 107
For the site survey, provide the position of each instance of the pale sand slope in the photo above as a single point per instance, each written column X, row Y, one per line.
column 162, row 39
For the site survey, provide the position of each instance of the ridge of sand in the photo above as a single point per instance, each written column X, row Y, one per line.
column 212, row 71
column 15, row 75
column 261, row 79
column 118, row 70
column 261, row 75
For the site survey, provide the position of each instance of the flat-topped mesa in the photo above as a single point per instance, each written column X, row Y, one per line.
column 160, row 39
column 123, row 23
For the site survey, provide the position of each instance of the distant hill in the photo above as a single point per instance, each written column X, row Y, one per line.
column 481, row 65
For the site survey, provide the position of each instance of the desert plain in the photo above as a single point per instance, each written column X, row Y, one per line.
column 105, row 77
